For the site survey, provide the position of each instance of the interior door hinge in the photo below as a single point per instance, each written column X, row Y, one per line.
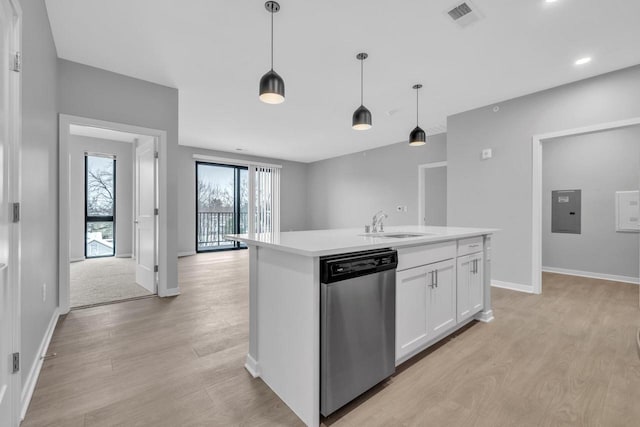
column 155, row 268
column 15, row 212
column 16, row 362
column 156, row 211
column 16, row 62
column 156, row 155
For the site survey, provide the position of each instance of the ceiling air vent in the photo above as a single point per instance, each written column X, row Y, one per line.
column 459, row 11
column 464, row 14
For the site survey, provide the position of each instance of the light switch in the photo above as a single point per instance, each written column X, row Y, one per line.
column 487, row 154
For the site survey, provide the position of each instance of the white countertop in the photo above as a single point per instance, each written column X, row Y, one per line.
column 330, row 242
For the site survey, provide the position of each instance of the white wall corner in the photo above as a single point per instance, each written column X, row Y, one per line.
column 29, row 385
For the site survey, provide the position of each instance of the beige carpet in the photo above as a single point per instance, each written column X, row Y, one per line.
column 100, row 280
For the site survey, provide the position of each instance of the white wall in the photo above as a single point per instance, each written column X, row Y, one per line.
column 599, row 164
column 346, row 191
column 293, row 194
column 78, row 146
column 39, row 175
column 497, row 193
column 99, row 94
column 435, row 197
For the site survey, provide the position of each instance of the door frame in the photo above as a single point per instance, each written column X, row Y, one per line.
column 65, row 121
column 422, row 170
column 536, row 187
column 14, row 148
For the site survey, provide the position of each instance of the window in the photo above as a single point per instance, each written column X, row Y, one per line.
column 222, row 205
column 100, row 206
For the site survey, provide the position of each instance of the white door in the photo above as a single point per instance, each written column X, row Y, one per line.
column 145, row 217
column 442, row 297
column 9, row 382
column 470, row 285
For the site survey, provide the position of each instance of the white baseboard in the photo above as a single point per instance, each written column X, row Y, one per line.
column 252, row 366
column 485, row 316
column 173, row 292
column 76, row 259
column 29, row 385
column 188, row 253
column 612, row 277
column 512, row 286
column 124, row 255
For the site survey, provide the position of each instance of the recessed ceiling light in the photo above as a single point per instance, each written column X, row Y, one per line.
column 550, row 1
column 583, row 61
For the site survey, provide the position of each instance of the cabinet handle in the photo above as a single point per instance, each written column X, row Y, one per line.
column 436, row 278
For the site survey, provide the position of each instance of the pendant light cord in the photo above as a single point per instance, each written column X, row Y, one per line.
column 417, row 106
column 272, row 40
column 362, row 82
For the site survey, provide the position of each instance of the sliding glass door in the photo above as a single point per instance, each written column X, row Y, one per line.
column 222, row 205
column 100, row 206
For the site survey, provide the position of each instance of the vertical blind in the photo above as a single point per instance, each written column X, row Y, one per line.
column 264, row 202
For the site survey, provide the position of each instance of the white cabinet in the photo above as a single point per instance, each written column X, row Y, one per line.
column 470, row 288
column 425, row 305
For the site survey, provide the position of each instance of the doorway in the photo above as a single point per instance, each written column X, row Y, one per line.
column 432, row 194
column 110, row 253
column 222, row 205
column 537, row 188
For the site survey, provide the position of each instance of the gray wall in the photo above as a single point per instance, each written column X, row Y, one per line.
column 91, row 92
column 599, row 164
column 123, row 151
column 346, row 191
column 497, row 192
column 39, row 169
column 435, row 197
column 293, row 193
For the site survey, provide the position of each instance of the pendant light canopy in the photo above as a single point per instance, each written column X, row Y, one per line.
column 417, row 136
column 271, row 84
column 362, row 116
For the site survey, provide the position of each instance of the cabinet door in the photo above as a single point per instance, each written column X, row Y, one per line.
column 463, row 288
column 441, row 309
column 411, row 310
column 476, row 284
column 470, row 286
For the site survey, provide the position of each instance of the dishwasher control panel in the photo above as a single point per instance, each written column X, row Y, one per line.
column 344, row 266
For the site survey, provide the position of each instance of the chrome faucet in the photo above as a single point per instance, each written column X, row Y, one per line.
column 376, row 224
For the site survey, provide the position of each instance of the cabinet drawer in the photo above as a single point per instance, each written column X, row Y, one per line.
column 416, row 256
column 470, row 245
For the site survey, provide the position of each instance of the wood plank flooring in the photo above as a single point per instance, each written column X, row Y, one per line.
column 567, row 357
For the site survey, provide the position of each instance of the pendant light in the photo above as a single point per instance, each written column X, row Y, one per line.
column 362, row 116
column 417, row 136
column 271, row 84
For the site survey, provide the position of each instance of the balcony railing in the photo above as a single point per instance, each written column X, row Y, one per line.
column 212, row 226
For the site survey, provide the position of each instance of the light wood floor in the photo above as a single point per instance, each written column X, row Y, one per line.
column 566, row 357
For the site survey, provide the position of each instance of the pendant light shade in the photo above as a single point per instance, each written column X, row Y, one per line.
column 417, row 136
column 362, row 116
column 271, row 84
column 272, row 88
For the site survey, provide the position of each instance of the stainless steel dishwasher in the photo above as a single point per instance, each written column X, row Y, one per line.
column 357, row 324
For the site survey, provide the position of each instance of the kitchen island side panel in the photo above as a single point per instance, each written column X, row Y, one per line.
column 288, row 329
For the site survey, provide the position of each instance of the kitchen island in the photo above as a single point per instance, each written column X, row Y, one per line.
column 284, row 297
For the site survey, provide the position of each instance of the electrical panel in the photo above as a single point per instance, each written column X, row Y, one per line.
column 566, row 211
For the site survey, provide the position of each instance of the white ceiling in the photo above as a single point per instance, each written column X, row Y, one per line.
column 215, row 52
